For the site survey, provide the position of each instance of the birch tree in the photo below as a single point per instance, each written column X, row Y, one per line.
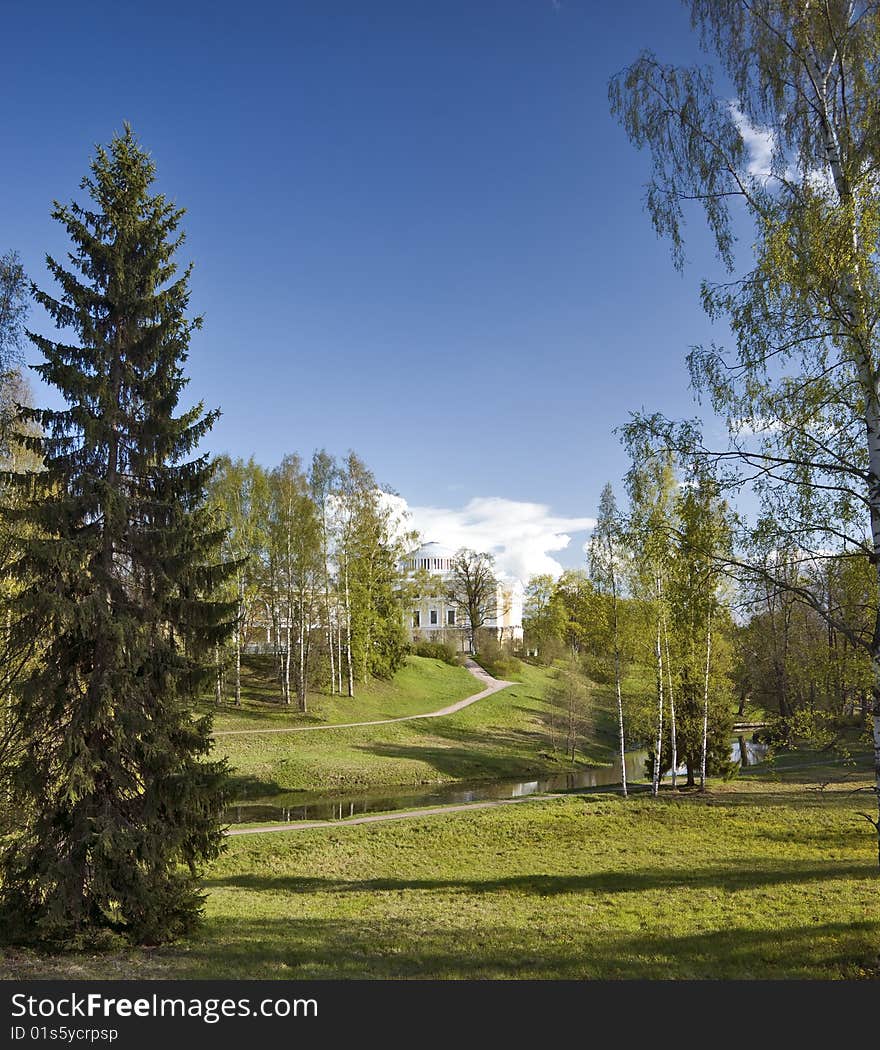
column 800, row 389
column 608, row 555
column 322, row 478
column 701, row 626
column 239, row 491
column 651, row 482
column 295, row 542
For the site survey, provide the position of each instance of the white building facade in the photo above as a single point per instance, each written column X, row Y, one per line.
column 432, row 617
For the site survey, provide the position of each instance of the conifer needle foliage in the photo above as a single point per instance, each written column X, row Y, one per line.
column 116, row 799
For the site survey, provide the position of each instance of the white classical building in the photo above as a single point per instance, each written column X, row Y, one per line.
column 434, row 618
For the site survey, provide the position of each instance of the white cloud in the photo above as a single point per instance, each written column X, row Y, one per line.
column 520, row 535
column 758, row 425
column 760, row 142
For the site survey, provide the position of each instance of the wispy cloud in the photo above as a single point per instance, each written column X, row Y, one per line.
column 758, row 425
column 761, row 145
column 760, row 142
column 522, row 536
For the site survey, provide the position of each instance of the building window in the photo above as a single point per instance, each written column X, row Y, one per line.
column 450, row 617
column 433, row 617
column 417, row 618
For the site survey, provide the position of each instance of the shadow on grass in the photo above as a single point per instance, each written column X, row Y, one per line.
column 728, row 878
column 502, row 762
column 332, row 948
column 245, row 786
column 288, row 946
column 484, row 752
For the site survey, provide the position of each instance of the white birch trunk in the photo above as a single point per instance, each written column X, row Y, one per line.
column 301, row 695
column 330, row 639
column 327, row 611
column 672, row 735
column 617, row 675
column 237, row 666
column 339, row 653
column 705, row 746
column 308, row 644
column 289, row 581
column 870, row 382
column 239, row 616
column 276, row 635
column 658, row 652
column 286, row 685
column 872, row 426
column 218, row 679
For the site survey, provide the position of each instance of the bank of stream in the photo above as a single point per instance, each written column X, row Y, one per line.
column 301, row 805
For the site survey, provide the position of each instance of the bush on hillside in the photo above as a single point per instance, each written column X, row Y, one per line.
column 497, row 659
column 444, row 651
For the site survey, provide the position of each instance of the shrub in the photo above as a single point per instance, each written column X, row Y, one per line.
column 497, row 659
column 444, row 651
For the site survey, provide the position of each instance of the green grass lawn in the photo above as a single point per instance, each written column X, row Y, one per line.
column 758, row 879
column 506, row 735
column 420, row 685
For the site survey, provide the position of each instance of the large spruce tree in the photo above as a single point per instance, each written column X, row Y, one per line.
column 117, row 800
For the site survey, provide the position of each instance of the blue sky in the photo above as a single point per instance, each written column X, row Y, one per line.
column 417, row 231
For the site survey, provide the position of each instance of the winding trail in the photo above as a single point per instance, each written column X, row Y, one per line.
column 492, row 685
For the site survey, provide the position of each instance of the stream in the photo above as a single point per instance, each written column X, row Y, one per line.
column 303, row 805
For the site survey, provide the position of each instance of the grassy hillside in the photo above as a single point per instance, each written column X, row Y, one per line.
column 509, row 734
column 758, row 879
column 420, row 685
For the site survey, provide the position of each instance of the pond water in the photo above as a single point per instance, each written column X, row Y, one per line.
column 301, row 805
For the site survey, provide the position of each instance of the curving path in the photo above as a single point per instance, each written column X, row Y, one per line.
column 492, row 685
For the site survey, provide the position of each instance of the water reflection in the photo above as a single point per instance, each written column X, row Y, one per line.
column 302, row 805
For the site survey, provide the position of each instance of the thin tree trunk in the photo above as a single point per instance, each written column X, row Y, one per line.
column 301, row 684
column 672, row 735
column 289, row 585
column 368, row 639
column 339, row 654
column 705, row 746
column 218, row 682
column 239, row 613
column 658, row 652
column 617, row 675
column 876, row 729
column 237, row 666
column 286, row 690
column 304, row 704
column 873, row 429
column 327, row 612
column 571, row 733
column 348, row 632
column 279, row 657
column 330, row 639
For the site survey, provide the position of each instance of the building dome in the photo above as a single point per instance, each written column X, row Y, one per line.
column 433, row 557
